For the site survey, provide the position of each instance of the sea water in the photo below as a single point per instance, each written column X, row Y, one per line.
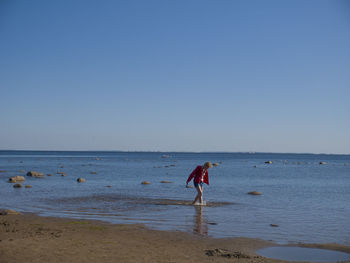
column 308, row 201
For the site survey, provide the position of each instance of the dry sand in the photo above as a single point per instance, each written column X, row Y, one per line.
column 30, row 238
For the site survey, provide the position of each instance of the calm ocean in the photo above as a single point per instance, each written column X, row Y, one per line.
column 309, row 202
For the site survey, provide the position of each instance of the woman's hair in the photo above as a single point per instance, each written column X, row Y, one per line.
column 208, row 165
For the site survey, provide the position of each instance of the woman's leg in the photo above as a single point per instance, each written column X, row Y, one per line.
column 199, row 195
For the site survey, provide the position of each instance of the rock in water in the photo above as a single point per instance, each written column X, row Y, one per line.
column 93, row 173
column 166, row 182
column 268, row 162
column 35, row 174
column 17, row 178
column 145, row 182
column 49, row 174
column 81, row 180
column 17, row 185
column 4, row 212
column 323, row 163
column 254, row 193
column 273, row 225
column 215, row 164
column 28, row 186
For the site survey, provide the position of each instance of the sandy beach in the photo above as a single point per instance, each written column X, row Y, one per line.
column 31, row 238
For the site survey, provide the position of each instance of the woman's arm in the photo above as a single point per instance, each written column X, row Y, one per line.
column 192, row 175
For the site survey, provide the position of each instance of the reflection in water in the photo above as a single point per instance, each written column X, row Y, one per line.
column 200, row 225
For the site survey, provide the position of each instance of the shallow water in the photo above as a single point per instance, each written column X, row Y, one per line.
column 309, row 202
column 303, row 254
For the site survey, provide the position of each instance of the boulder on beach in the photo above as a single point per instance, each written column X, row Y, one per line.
column 268, row 162
column 28, row 186
column 35, row 174
column 5, row 212
column 17, row 178
column 323, row 163
column 81, row 180
column 17, row 185
column 145, row 182
column 166, row 182
column 254, row 193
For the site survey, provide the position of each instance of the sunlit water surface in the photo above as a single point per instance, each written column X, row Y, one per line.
column 309, row 202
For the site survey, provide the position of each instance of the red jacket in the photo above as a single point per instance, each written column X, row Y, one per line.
column 197, row 173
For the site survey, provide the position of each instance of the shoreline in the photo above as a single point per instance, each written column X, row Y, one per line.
column 32, row 238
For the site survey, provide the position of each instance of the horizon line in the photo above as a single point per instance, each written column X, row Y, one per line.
column 155, row 151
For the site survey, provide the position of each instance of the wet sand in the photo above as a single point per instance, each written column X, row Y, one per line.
column 31, row 238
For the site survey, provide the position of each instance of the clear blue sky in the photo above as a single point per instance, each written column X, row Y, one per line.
column 180, row 75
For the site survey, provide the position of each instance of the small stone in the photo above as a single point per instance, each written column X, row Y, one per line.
column 60, row 172
column 255, row 166
column 93, row 172
column 17, row 185
column 166, row 182
column 254, row 193
column 97, row 159
column 215, row 164
column 17, row 178
column 323, row 163
column 81, row 180
column 109, row 186
column 189, row 186
column 145, row 182
column 62, row 166
column 63, row 174
column 268, row 162
column 28, row 186
column 49, row 174
column 273, row 225
column 35, row 174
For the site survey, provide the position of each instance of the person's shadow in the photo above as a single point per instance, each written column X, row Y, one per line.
column 200, row 225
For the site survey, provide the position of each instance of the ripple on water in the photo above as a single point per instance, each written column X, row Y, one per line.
column 303, row 254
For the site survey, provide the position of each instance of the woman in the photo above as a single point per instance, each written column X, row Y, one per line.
column 200, row 175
